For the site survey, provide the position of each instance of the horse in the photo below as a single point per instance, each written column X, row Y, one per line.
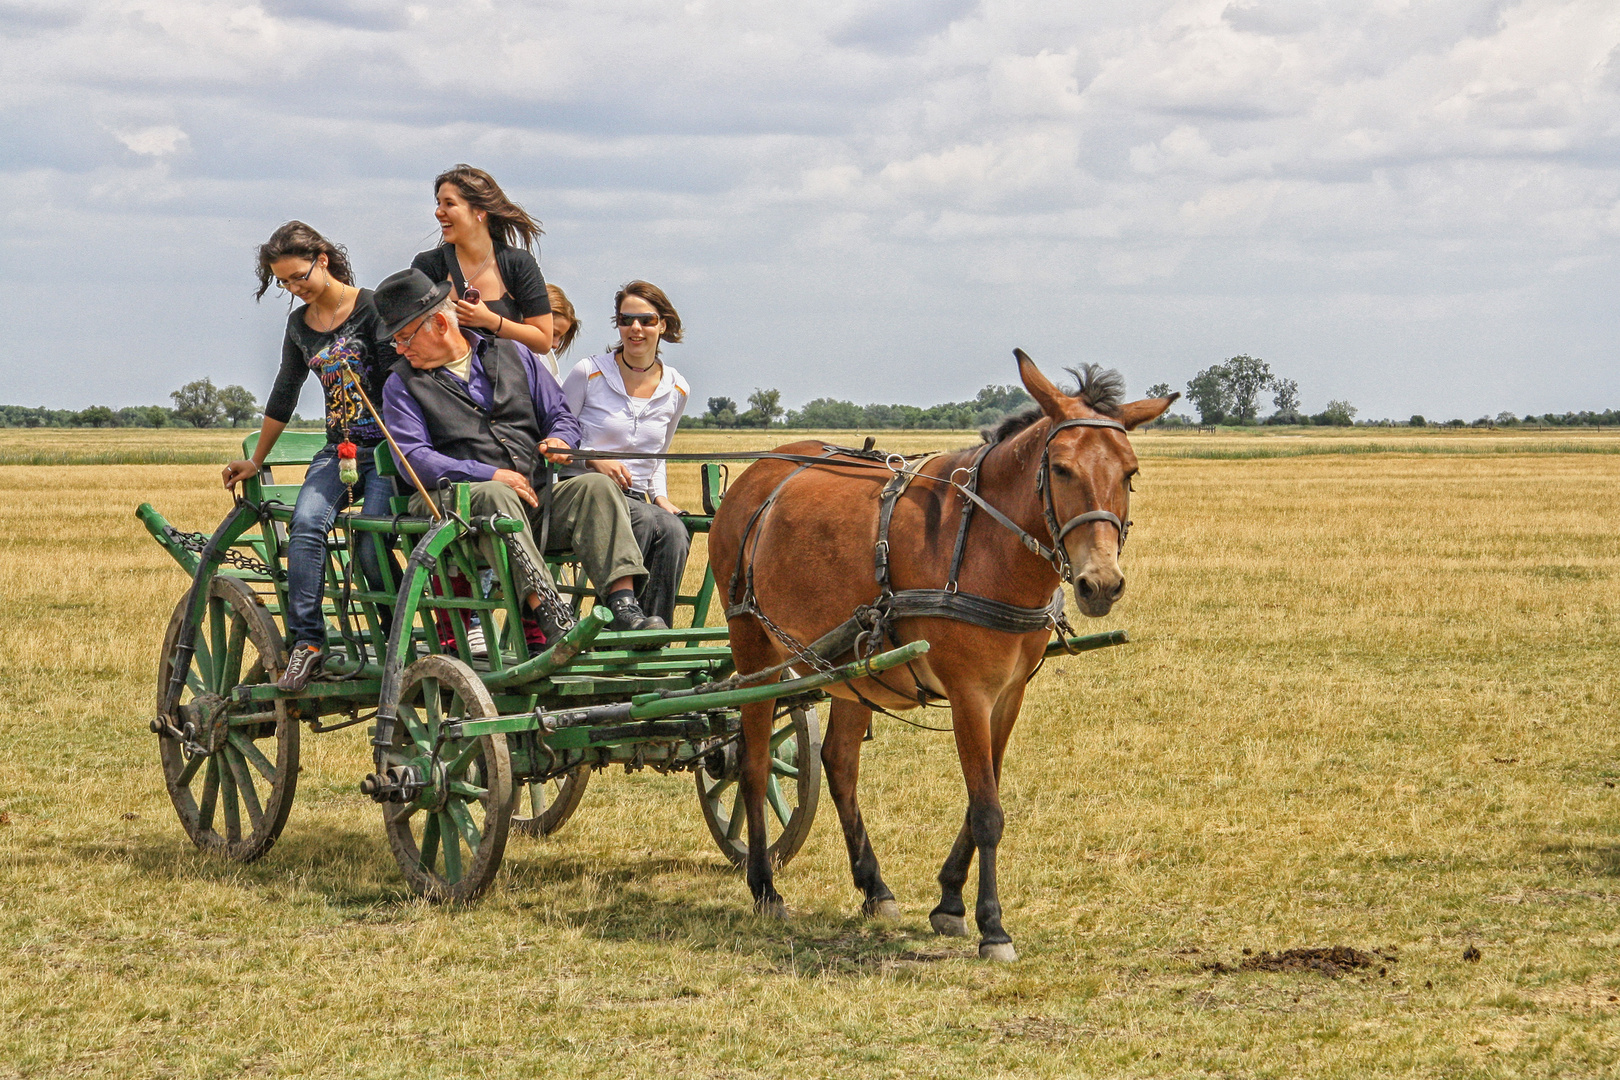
column 803, row 546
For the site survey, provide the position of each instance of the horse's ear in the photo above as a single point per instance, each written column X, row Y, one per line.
column 1141, row 412
column 1048, row 397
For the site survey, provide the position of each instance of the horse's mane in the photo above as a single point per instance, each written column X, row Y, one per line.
column 1101, row 388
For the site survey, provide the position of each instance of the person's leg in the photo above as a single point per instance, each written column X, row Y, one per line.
column 319, row 500
column 588, row 515
column 664, row 544
column 375, row 490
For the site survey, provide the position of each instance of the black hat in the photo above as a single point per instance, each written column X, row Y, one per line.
column 405, row 296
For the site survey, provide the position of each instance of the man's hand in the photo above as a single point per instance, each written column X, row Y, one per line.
column 517, row 482
column 237, row 471
column 556, row 450
column 617, row 471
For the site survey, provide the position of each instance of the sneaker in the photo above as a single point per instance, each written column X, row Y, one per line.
column 475, row 641
column 303, row 665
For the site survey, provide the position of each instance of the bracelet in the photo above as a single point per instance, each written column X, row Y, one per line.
column 500, row 324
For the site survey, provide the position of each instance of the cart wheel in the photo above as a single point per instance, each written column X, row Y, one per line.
column 234, row 789
column 544, row 805
column 449, row 840
column 791, row 793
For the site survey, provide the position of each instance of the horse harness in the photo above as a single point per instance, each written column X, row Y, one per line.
column 871, row 624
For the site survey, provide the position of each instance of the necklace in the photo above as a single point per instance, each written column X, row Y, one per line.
column 468, row 278
column 316, row 311
column 638, row 370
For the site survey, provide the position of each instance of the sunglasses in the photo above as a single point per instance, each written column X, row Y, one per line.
column 632, row 320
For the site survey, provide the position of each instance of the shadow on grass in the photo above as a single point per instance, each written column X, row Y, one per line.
column 1600, row 860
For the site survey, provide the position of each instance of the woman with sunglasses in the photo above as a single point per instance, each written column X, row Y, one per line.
column 484, row 252
column 630, row 400
column 333, row 333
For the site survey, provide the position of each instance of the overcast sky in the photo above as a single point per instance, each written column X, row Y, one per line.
column 1412, row 206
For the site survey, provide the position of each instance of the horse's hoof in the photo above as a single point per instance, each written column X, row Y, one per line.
column 1001, row 952
column 882, row 910
column 948, row 925
column 773, row 908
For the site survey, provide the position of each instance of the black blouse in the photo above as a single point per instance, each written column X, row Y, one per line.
column 525, row 288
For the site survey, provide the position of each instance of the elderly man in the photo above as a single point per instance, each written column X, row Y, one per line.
column 486, row 410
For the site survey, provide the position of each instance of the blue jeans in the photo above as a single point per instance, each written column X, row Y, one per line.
column 319, row 501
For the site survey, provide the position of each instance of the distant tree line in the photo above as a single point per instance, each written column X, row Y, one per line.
column 988, row 407
column 197, row 404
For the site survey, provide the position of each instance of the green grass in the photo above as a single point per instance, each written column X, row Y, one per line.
column 1365, row 704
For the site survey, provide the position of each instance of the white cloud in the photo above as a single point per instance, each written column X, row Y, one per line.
column 1187, row 179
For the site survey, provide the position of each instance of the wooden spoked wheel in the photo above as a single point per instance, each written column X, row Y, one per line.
column 544, row 805
column 791, row 792
column 232, row 779
column 449, row 838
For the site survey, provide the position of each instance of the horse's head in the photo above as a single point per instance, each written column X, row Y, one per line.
column 1088, row 469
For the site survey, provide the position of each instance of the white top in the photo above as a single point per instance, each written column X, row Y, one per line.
column 613, row 420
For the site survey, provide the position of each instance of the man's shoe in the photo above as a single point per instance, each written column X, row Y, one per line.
column 540, row 630
column 303, row 665
column 627, row 615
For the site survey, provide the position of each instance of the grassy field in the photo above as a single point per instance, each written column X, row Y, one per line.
column 1370, row 702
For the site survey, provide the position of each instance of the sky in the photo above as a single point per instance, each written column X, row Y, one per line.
column 1413, row 206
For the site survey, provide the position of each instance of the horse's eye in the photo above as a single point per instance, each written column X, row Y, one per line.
column 1063, row 471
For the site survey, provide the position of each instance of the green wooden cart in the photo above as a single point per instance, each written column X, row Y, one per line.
column 466, row 747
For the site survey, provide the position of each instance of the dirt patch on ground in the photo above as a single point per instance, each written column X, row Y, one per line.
column 1333, row 961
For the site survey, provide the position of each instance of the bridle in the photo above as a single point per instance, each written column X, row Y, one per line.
column 1057, row 554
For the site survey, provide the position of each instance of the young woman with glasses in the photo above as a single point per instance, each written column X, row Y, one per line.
column 485, row 242
column 628, row 399
column 333, row 332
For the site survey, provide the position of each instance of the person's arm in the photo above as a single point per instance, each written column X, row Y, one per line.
column 520, row 273
column 404, row 418
column 278, row 409
column 560, row 427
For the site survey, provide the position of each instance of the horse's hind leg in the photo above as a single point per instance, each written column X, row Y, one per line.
column 756, row 767
column 949, row 916
column 847, row 722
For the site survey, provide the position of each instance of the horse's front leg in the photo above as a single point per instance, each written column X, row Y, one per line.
column 756, row 768
column 847, row 722
column 970, row 716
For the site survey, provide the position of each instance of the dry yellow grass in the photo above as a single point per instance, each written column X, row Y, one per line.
column 1370, row 701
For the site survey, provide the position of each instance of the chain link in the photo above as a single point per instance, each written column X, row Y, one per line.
column 196, row 542
column 551, row 602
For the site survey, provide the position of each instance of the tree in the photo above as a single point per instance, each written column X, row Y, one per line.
column 1211, row 394
column 1246, row 378
column 98, row 416
column 198, row 404
column 767, row 403
column 1337, row 414
column 238, row 404
column 1506, row 419
column 1417, row 421
column 722, row 412
column 1159, row 389
column 1286, row 397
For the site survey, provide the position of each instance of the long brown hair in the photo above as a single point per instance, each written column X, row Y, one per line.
column 560, row 305
column 508, row 222
column 295, row 240
column 651, row 293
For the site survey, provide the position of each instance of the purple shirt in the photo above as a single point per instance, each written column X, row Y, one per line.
column 405, row 419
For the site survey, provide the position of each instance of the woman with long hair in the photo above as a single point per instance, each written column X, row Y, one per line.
column 485, row 252
column 628, row 399
column 332, row 333
column 564, row 327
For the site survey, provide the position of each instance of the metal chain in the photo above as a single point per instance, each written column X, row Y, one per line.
column 550, row 600
column 196, row 542
column 800, row 649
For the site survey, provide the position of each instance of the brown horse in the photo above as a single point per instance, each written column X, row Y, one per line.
column 810, row 556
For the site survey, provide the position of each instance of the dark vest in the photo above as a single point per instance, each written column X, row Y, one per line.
column 505, row 436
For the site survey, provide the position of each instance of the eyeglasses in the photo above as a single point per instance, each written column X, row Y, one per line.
column 643, row 319
column 286, row 286
column 401, row 346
